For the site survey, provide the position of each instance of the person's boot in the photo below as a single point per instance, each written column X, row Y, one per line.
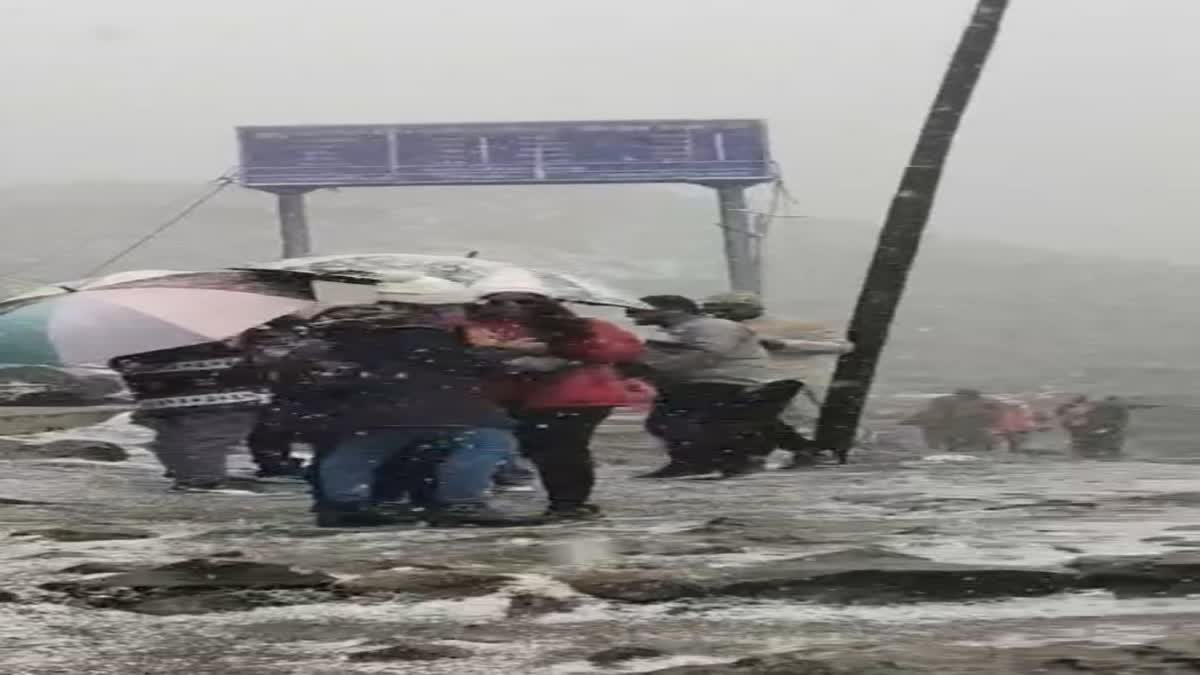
column 802, row 460
column 560, row 512
column 479, row 515
column 787, row 438
column 336, row 515
column 676, row 470
column 514, row 476
column 406, row 511
column 750, row 465
column 225, row 487
column 292, row 468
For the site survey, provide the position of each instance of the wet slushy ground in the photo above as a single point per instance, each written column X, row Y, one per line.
column 914, row 556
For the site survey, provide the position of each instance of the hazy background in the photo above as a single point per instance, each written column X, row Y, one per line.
column 1081, row 136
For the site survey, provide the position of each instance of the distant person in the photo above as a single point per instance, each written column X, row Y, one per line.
column 571, row 387
column 718, row 404
column 1015, row 423
column 964, row 421
column 202, row 401
column 1107, row 425
column 970, row 419
column 930, row 420
column 1074, row 417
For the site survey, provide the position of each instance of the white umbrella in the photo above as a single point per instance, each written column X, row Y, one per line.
column 482, row 276
column 94, row 282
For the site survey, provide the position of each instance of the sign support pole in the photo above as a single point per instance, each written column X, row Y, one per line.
column 293, row 223
column 900, row 237
column 742, row 246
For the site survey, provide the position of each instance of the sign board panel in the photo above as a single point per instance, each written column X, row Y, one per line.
column 642, row 151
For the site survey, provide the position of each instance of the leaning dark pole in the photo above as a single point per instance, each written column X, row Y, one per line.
column 900, row 237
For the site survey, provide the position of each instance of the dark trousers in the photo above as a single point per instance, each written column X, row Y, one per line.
column 725, row 427
column 558, row 442
column 411, row 478
column 787, row 437
column 684, row 419
column 270, row 446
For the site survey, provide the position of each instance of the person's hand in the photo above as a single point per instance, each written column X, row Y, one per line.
column 482, row 337
column 538, row 364
column 773, row 344
column 529, row 346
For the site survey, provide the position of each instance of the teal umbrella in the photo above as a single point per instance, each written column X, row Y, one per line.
column 23, row 336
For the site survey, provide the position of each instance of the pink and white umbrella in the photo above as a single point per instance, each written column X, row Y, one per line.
column 93, row 326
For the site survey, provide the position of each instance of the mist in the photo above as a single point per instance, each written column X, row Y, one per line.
column 1079, row 138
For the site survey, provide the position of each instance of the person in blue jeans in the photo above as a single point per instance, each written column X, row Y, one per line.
column 466, row 461
column 396, row 380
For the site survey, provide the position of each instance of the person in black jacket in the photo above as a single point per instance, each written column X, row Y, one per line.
column 399, row 382
column 201, row 401
column 270, row 442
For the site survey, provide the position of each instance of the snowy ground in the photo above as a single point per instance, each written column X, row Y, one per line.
column 1019, row 511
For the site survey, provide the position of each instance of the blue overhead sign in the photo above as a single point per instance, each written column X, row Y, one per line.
column 641, row 151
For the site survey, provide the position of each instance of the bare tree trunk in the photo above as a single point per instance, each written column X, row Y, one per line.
column 900, row 237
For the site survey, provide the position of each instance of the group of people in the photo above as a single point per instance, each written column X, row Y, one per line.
column 967, row 421
column 1097, row 428
column 416, row 401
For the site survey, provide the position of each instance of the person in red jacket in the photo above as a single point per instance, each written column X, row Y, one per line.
column 574, row 387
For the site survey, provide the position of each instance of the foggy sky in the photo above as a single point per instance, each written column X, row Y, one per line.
column 1083, row 132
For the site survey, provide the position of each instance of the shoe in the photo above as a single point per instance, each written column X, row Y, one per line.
column 570, row 512
column 802, row 460
column 751, row 466
column 675, row 470
column 293, row 469
column 513, row 487
column 795, row 443
column 404, row 511
column 370, row 517
column 481, row 515
column 214, row 488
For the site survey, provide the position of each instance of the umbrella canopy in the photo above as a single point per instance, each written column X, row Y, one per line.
column 482, row 276
column 93, row 326
column 50, row 290
column 268, row 282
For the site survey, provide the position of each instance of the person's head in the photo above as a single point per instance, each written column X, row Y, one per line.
column 516, row 305
column 424, row 299
column 734, row 306
column 546, row 318
column 406, row 300
column 665, row 310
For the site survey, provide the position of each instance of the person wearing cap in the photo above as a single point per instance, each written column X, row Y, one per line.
column 711, row 369
column 570, row 386
column 790, row 340
column 396, row 381
column 793, row 349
